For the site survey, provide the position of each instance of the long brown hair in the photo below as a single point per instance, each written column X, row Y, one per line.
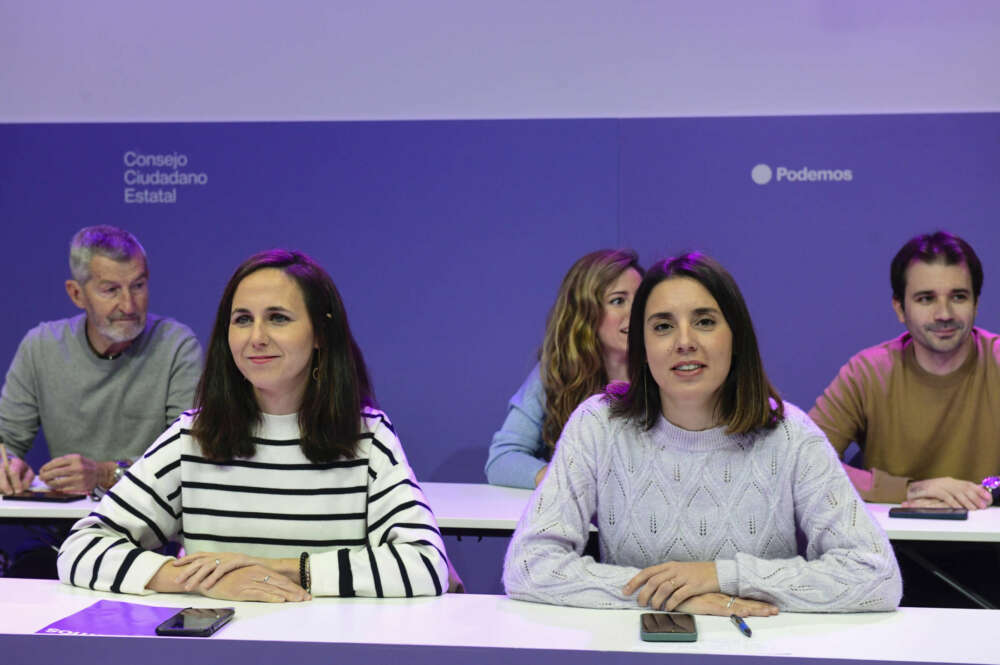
column 572, row 364
column 330, row 415
column 746, row 396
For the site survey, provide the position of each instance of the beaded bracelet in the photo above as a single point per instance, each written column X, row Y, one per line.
column 304, row 571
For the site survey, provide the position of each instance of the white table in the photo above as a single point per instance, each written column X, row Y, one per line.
column 483, row 629
column 983, row 526
column 480, row 509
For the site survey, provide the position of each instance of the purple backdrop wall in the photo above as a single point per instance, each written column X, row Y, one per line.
column 448, row 239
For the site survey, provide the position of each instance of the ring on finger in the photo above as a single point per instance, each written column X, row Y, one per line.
column 267, row 579
column 218, row 561
column 732, row 599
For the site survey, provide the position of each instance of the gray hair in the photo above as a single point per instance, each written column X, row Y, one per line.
column 108, row 241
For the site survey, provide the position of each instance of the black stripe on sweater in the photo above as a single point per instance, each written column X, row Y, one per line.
column 343, row 542
column 312, row 517
column 402, row 572
column 100, row 559
column 378, row 415
column 403, row 506
column 429, row 544
column 115, row 527
column 165, row 442
column 406, row 525
column 376, row 578
column 273, row 490
column 247, row 464
column 381, row 446
column 378, row 495
column 76, row 562
column 116, row 586
column 168, row 468
column 433, row 573
column 153, row 526
column 149, row 490
column 346, row 576
column 275, row 442
column 257, row 439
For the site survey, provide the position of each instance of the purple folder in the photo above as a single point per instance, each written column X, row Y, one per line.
column 110, row 617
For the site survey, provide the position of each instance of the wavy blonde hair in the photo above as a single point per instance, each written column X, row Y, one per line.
column 572, row 364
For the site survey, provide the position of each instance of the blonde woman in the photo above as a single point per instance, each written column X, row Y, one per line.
column 585, row 348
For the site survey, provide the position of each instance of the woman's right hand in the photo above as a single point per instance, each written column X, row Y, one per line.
column 255, row 583
column 540, row 475
column 717, row 604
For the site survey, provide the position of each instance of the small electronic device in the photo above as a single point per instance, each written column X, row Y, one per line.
column 196, row 621
column 667, row 627
column 930, row 513
column 46, row 495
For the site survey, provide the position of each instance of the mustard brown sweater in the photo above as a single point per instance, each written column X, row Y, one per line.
column 912, row 424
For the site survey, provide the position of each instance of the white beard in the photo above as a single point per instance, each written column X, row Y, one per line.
column 121, row 331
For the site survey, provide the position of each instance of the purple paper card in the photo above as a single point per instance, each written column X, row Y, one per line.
column 110, row 617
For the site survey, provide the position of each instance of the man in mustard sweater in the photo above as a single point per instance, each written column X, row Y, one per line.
column 924, row 407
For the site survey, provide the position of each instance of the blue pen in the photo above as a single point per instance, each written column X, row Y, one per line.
column 741, row 624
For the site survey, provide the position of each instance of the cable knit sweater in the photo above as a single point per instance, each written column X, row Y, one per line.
column 774, row 510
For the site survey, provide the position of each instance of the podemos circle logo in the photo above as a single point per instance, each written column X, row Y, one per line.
column 761, row 174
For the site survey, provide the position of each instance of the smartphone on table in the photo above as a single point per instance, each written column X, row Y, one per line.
column 196, row 621
column 667, row 627
column 930, row 513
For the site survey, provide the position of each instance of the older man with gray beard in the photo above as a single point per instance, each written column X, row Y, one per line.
column 101, row 385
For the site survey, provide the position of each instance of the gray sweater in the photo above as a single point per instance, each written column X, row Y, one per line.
column 674, row 495
column 102, row 409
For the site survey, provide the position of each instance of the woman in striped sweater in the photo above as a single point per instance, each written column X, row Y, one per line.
column 285, row 481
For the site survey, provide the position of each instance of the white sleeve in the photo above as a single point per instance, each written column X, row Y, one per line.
column 545, row 561
column 405, row 553
column 109, row 550
column 849, row 565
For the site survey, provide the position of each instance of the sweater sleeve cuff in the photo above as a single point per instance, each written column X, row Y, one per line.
column 141, row 571
column 324, row 574
column 886, row 488
column 729, row 582
column 531, row 469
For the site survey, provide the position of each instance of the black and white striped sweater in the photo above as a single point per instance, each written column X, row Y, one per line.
column 364, row 521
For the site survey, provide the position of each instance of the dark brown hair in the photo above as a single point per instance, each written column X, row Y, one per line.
column 930, row 248
column 571, row 360
column 330, row 415
column 746, row 396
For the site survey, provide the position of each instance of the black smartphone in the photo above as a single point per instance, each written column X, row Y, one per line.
column 196, row 621
column 667, row 627
column 930, row 513
column 49, row 495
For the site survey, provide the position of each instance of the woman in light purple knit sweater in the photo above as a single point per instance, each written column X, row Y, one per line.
column 710, row 494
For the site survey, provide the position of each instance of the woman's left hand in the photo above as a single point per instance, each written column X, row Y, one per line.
column 256, row 583
column 204, row 569
column 722, row 605
column 667, row 585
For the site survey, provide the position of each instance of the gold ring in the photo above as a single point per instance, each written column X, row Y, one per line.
column 732, row 599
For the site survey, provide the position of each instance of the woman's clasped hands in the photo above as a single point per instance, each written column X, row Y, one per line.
column 234, row 576
column 690, row 586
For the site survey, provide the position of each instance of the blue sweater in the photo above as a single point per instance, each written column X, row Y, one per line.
column 517, row 451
